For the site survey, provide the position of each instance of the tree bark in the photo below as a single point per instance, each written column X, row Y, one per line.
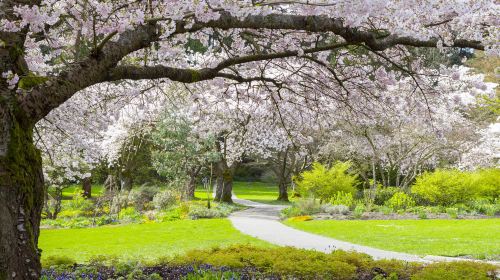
column 87, row 187
column 21, row 197
column 191, row 187
column 283, row 191
column 125, row 181
column 224, row 189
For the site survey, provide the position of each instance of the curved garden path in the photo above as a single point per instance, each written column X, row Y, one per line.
column 262, row 221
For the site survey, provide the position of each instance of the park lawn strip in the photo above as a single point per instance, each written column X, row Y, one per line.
column 142, row 241
column 477, row 238
column 69, row 192
column 258, row 192
column 254, row 191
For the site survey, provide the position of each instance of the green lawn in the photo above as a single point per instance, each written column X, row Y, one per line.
column 142, row 241
column 68, row 192
column 479, row 238
column 255, row 191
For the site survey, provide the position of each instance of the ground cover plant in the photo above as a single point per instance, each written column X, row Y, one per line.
column 248, row 262
column 141, row 204
column 141, row 241
column 468, row 238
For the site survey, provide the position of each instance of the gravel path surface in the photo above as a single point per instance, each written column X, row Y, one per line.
column 262, row 221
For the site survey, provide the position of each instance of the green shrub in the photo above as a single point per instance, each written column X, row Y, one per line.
column 80, row 203
column 129, row 214
column 456, row 271
column 70, row 213
column 342, row 198
column 453, row 212
column 384, row 209
column 422, row 214
column 57, row 261
column 384, row 194
column 484, row 206
column 291, row 212
column 165, row 199
column 140, row 197
column 323, row 183
column 400, row 201
column 449, row 187
column 358, row 211
column 488, row 183
column 221, row 210
column 305, row 206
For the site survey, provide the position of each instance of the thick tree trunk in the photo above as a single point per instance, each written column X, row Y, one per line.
column 190, row 187
column 224, row 189
column 21, row 197
column 283, row 191
column 87, row 187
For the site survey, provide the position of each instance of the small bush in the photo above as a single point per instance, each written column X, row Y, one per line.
column 482, row 206
column 140, row 197
column 129, row 214
column 302, row 207
column 452, row 212
column 384, row 194
column 456, row 271
column 342, row 198
column 385, row 210
column 57, row 260
column 334, row 209
column 70, row 213
column 79, row 202
column 323, row 183
column 358, row 211
column 164, row 200
column 221, row 210
column 400, row 201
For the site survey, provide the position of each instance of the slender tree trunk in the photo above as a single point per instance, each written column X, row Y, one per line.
column 21, row 196
column 87, row 187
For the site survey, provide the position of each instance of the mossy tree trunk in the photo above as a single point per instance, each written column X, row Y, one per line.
column 21, row 196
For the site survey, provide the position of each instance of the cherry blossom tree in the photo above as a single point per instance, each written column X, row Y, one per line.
column 52, row 49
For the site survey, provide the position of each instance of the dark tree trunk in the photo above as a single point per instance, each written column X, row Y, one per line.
column 282, row 171
column 21, row 196
column 224, row 189
column 283, row 191
column 87, row 187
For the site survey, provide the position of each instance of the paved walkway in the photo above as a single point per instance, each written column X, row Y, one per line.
column 262, row 221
